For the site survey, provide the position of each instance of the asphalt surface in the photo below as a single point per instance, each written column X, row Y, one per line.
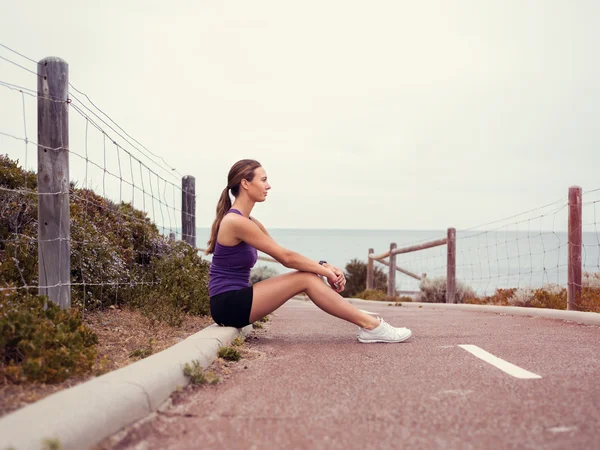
column 316, row 387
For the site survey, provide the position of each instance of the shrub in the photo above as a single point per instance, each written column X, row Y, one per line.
column 356, row 277
column 521, row 297
column 41, row 342
column 261, row 273
column 433, row 290
column 377, row 295
column 500, row 297
column 18, row 225
column 180, row 287
column 548, row 296
column 229, row 353
column 590, row 299
column 372, row 294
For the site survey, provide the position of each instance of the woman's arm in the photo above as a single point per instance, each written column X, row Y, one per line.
column 251, row 233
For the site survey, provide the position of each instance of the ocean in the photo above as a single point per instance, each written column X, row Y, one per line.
column 485, row 260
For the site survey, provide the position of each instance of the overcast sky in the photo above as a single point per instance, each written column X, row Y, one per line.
column 370, row 115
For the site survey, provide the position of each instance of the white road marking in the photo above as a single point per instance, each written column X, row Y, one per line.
column 505, row 366
column 562, row 429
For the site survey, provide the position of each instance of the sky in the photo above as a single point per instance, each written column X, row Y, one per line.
column 365, row 115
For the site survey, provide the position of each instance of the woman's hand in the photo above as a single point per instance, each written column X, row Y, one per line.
column 336, row 280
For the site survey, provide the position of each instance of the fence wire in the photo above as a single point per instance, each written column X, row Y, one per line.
column 125, row 201
column 525, row 251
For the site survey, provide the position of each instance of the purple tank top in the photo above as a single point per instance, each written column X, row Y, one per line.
column 230, row 266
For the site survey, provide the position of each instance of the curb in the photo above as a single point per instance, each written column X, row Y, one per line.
column 84, row 415
column 586, row 318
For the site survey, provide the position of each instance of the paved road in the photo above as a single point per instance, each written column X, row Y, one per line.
column 316, row 387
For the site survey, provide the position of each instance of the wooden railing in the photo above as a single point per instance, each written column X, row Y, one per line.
column 450, row 241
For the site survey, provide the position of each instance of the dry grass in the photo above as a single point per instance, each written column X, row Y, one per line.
column 124, row 336
column 545, row 297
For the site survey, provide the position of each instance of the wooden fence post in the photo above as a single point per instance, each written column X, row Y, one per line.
column 451, row 267
column 188, row 210
column 391, row 291
column 54, row 233
column 575, row 235
column 370, row 270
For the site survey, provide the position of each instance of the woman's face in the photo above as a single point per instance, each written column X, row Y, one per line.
column 257, row 189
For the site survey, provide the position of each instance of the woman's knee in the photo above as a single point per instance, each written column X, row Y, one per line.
column 306, row 279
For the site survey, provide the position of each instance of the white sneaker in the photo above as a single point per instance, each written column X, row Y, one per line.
column 383, row 333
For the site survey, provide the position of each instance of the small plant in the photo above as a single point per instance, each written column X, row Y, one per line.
column 238, row 341
column 257, row 325
column 194, row 372
column 264, row 319
column 230, row 353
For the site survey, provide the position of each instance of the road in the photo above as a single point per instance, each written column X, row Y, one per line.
column 315, row 387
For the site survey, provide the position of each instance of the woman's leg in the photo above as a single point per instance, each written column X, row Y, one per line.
column 270, row 294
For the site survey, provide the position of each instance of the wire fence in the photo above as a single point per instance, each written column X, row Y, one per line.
column 527, row 251
column 85, row 207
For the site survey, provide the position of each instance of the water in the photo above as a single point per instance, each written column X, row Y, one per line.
column 485, row 260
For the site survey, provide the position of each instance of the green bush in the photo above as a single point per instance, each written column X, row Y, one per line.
column 356, row 277
column 18, row 225
column 180, row 286
column 41, row 342
column 118, row 255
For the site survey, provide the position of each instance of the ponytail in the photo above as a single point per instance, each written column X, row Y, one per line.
column 222, row 207
column 241, row 170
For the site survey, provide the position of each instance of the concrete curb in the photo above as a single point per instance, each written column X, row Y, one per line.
column 82, row 416
column 587, row 318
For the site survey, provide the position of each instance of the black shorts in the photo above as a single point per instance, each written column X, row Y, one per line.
column 232, row 308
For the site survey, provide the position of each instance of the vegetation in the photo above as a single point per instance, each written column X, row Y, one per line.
column 41, row 342
column 239, row 341
column 356, row 278
column 433, row 290
column 197, row 375
column 261, row 273
column 548, row 296
column 229, row 353
column 118, row 257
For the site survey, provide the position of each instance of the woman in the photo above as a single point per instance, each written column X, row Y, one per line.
column 234, row 240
